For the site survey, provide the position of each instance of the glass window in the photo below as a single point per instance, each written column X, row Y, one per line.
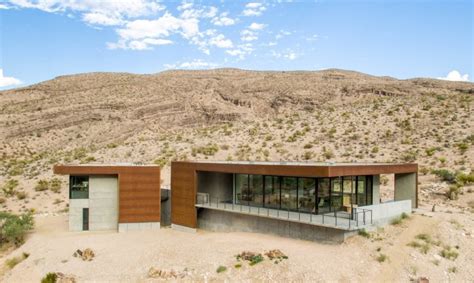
column 288, row 193
column 323, row 195
column 256, row 190
column 79, row 187
column 347, row 185
column 241, row 188
column 369, row 188
column 306, row 194
column 361, row 191
column 336, row 194
column 272, row 191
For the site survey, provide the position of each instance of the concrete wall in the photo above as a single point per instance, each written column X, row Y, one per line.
column 376, row 189
column 102, row 204
column 384, row 212
column 75, row 213
column 217, row 185
column 223, row 221
column 405, row 187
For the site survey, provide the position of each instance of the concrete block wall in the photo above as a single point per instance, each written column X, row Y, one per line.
column 405, row 187
column 376, row 189
column 383, row 213
column 223, row 221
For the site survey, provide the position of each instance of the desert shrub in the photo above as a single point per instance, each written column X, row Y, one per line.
column 463, row 147
column 381, row 258
column 307, row 146
column 409, row 156
column 465, row 179
column 208, row 150
column 79, row 153
column 256, row 259
column 55, row 185
column 424, row 170
column 430, row 151
column 449, row 253
column 221, row 269
column 327, row 153
column 363, row 233
column 51, row 277
column 21, row 195
column 398, row 220
column 9, row 188
column 2, row 200
column 375, row 149
column 42, row 185
column 308, row 155
column 12, row 262
column 453, row 191
column 112, row 145
column 444, row 175
column 13, row 228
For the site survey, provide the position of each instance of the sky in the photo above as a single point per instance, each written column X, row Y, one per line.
column 42, row 39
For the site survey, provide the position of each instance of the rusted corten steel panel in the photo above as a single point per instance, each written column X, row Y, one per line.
column 139, row 189
column 184, row 180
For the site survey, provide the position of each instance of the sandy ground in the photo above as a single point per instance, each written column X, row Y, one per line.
column 127, row 257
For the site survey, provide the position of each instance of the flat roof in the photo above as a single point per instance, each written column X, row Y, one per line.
column 296, row 163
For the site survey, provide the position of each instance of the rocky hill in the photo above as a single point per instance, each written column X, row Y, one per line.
column 228, row 114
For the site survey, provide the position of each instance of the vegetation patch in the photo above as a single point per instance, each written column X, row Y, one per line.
column 221, row 269
column 449, row 253
column 13, row 228
column 12, row 262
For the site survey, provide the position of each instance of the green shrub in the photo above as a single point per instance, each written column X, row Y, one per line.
column 12, row 262
column 381, row 258
column 42, row 185
column 363, row 233
column 21, row 195
column 445, row 175
column 449, row 253
column 256, row 259
column 14, row 227
column 55, row 185
column 9, row 188
column 51, row 277
column 221, row 269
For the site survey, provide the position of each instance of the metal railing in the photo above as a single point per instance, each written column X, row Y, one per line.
column 337, row 218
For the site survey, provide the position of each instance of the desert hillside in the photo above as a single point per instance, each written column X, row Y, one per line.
column 228, row 114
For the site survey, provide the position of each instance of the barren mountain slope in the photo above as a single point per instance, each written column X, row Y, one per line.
column 228, row 114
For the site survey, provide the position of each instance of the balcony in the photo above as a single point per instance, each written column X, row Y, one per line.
column 337, row 220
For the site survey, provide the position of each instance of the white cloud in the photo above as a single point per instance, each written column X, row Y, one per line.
column 8, row 81
column 289, row 54
column 143, row 44
column 254, row 9
column 454, row 75
column 223, row 20
column 248, row 35
column 256, row 26
column 195, row 64
column 96, row 18
column 99, row 12
column 4, row 7
column 221, row 42
column 241, row 51
column 282, row 33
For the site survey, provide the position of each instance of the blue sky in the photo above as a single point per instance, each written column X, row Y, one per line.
column 42, row 39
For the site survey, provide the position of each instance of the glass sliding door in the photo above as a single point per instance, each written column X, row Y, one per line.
column 323, row 198
column 361, row 191
column 347, row 194
column 241, row 189
column 336, row 194
column 306, row 194
column 289, row 193
column 272, row 192
column 255, row 195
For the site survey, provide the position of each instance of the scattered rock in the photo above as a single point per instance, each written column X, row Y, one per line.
column 85, row 255
column 422, row 280
column 154, row 272
column 275, row 254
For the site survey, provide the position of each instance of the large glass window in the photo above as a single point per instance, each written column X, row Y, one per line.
column 361, row 191
column 323, row 200
column 336, row 194
column 347, row 199
column 306, row 194
column 289, row 193
column 241, row 188
column 256, row 190
column 272, row 192
column 369, row 189
column 79, row 187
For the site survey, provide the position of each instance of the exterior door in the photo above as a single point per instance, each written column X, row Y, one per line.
column 85, row 219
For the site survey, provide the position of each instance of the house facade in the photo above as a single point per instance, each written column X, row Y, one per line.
column 313, row 201
column 113, row 197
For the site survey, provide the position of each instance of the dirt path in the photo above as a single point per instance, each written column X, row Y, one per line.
column 397, row 250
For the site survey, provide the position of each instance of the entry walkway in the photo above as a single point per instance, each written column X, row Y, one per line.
column 340, row 220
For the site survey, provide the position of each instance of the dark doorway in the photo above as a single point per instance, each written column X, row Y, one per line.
column 85, row 219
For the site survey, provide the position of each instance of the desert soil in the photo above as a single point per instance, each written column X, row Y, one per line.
column 127, row 257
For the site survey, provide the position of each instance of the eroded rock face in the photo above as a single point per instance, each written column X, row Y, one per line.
column 85, row 255
column 115, row 106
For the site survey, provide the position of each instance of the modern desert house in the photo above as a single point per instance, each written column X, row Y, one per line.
column 312, row 201
column 113, row 197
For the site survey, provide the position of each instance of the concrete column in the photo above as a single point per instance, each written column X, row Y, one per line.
column 405, row 187
column 376, row 189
